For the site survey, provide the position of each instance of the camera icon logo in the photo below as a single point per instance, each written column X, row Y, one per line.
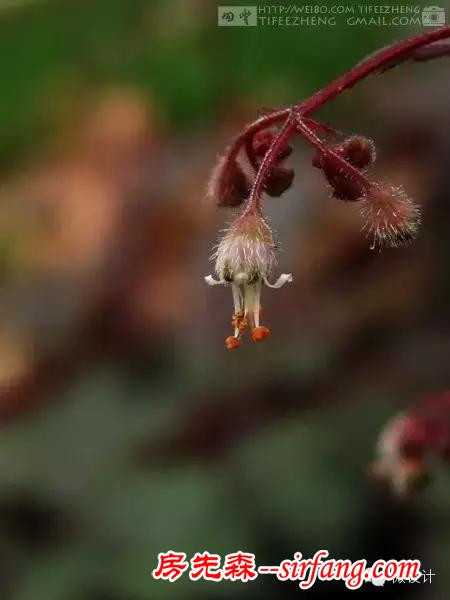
column 433, row 16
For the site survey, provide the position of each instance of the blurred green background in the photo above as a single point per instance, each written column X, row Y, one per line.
column 127, row 429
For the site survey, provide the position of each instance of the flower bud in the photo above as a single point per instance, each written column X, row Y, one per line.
column 358, row 150
column 228, row 185
column 261, row 143
column 344, row 186
column 390, row 217
column 280, row 178
column 278, row 181
column 232, row 342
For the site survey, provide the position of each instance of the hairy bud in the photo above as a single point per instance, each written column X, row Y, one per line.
column 228, row 185
column 358, row 150
column 345, row 187
column 279, row 178
column 390, row 217
column 261, row 143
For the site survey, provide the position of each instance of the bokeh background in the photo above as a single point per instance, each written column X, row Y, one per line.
column 127, row 429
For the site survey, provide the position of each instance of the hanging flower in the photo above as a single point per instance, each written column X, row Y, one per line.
column 245, row 257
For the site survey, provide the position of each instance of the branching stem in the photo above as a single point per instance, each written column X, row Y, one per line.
column 297, row 118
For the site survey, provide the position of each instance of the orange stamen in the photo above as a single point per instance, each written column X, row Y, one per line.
column 242, row 325
column 260, row 333
column 232, row 342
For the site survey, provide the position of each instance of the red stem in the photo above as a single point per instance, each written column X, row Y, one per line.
column 250, row 130
column 316, row 125
column 349, row 170
column 278, row 144
column 369, row 65
column 313, row 124
column 296, row 118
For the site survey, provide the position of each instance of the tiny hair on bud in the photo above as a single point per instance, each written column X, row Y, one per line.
column 359, row 151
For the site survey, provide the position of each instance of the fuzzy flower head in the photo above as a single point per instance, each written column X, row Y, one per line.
column 390, row 217
column 245, row 258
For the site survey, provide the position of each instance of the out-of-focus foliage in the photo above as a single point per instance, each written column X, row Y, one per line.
column 172, row 51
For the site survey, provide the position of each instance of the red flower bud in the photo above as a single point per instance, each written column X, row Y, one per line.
column 391, row 218
column 279, row 180
column 228, row 185
column 358, row 150
column 261, row 142
column 344, row 186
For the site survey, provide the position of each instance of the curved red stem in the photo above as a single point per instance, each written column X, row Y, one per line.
column 278, row 144
column 349, row 170
column 296, row 118
column 370, row 65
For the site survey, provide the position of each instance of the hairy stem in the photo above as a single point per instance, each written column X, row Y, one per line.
column 314, row 125
column 250, row 130
column 347, row 169
column 278, row 144
column 317, row 126
column 370, row 65
column 296, row 118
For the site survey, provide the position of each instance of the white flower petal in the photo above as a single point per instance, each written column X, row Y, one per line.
column 211, row 281
column 282, row 279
